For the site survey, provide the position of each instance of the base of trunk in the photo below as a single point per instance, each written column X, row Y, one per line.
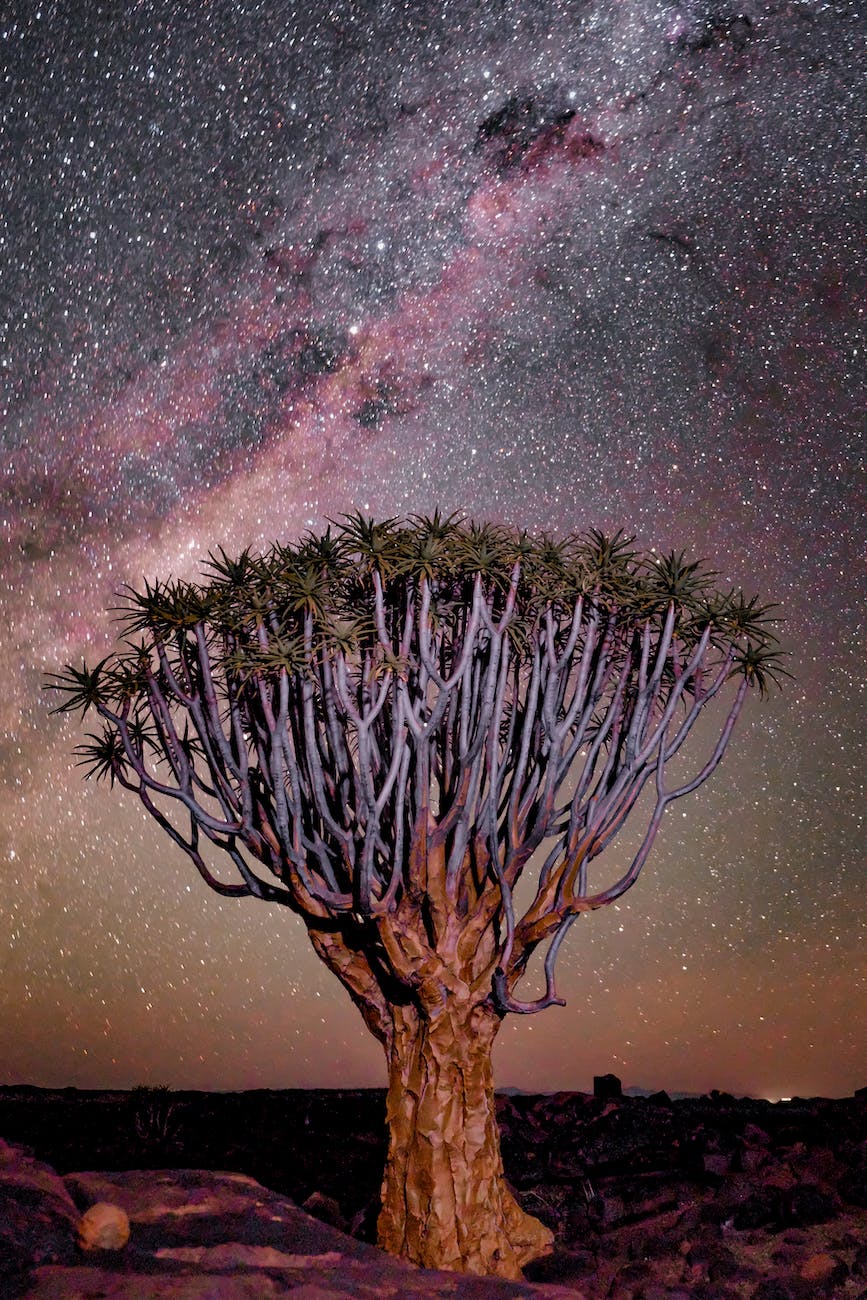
column 445, row 1202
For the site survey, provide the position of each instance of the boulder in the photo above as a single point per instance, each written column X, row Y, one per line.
column 716, row 1163
column 660, row 1098
column 563, row 1265
column 717, row 1262
column 806, row 1204
column 757, row 1210
column 825, row 1268
column 607, row 1086
column 103, row 1227
column 752, row 1159
column 326, row 1209
column 37, row 1216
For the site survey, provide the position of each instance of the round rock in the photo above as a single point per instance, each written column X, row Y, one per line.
column 103, row 1227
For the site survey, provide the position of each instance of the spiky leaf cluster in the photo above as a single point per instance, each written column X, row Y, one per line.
column 318, row 596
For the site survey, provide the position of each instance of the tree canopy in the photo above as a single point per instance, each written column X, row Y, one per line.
column 394, row 717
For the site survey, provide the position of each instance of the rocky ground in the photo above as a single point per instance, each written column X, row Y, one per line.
column 650, row 1198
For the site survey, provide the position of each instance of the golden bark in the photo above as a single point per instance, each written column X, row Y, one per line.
column 353, row 970
column 445, row 1201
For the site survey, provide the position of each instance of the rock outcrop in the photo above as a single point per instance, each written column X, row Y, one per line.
column 38, row 1218
column 195, row 1235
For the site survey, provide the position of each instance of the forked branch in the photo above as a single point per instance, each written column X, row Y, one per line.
column 386, row 726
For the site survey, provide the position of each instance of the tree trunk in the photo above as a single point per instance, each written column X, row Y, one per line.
column 445, row 1203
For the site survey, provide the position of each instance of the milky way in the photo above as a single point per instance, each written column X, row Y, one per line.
column 556, row 264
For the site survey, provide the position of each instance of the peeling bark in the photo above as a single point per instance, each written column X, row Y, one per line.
column 445, row 1201
column 353, row 970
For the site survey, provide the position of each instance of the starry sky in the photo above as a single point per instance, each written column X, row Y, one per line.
column 557, row 263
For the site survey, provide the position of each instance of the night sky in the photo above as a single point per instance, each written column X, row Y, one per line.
column 554, row 264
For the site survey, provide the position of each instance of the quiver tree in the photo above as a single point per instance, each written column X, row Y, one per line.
column 382, row 728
